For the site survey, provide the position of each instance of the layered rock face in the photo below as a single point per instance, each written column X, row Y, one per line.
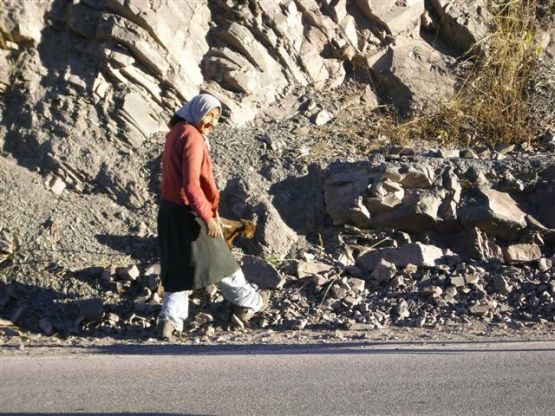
column 89, row 82
column 247, row 54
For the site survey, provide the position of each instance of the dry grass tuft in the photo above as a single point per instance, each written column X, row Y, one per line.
column 3, row 43
column 490, row 106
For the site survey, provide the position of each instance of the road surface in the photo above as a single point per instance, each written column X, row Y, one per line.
column 508, row 378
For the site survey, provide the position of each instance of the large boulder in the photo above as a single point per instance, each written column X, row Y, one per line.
column 275, row 236
column 392, row 16
column 412, row 75
column 522, row 253
column 245, row 198
column 462, row 23
column 418, row 215
column 261, row 272
column 494, row 212
column 476, row 244
column 417, row 254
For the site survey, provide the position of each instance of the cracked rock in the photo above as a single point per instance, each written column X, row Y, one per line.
column 522, row 253
column 494, row 212
column 415, row 253
column 312, row 268
column 261, row 273
column 322, row 117
column 384, row 271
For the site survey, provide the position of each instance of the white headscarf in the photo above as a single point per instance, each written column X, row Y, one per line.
column 197, row 108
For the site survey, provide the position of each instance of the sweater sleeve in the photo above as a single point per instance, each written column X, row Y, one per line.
column 192, row 162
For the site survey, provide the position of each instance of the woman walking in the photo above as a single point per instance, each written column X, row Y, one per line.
column 193, row 251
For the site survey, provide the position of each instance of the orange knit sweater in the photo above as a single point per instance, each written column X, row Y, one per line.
column 187, row 176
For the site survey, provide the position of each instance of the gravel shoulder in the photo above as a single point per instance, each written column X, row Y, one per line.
column 258, row 340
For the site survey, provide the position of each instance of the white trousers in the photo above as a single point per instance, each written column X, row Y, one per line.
column 234, row 288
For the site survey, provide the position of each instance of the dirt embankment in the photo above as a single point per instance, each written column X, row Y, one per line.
column 354, row 234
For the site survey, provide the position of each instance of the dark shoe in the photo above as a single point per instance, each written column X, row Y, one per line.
column 242, row 316
column 166, row 331
column 236, row 322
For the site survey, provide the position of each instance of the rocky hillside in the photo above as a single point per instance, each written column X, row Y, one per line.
column 351, row 231
column 117, row 69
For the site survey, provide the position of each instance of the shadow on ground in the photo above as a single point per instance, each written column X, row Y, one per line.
column 31, row 304
column 143, row 249
column 351, row 348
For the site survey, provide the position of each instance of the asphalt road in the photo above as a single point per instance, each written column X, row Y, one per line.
column 509, row 378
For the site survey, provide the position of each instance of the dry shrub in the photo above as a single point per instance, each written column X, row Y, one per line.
column 449, row 124
column 490, row 106
column 3, row 43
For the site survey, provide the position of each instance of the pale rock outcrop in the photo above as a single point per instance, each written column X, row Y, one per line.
column 463, row 23
column 23, row 21
column 419, row 254
column 393, row 17
column 413, row 75
column 259, row 51
column 522, row 253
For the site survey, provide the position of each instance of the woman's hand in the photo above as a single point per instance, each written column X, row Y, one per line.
column 214, row 229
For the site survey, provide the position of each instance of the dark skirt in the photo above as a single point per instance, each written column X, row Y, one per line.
column 189, row 257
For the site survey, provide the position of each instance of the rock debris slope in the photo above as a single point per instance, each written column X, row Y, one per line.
column 348, row 238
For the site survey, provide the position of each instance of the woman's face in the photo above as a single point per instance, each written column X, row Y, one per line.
column 209, row 121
